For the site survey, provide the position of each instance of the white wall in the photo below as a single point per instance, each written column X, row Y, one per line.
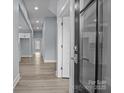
column 23, row 23
column 16, row 53
column 37, row 34
column 25, row 47
column 50, row 39
column 25, row 44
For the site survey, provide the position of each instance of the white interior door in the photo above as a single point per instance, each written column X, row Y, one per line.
column 37, row 44
column 66, row 46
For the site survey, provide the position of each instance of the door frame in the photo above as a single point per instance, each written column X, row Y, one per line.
column 67, row 19
column 60, row 38
column 59, row 47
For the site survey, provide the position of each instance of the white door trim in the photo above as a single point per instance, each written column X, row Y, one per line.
column 59, row 48
column 66, row 47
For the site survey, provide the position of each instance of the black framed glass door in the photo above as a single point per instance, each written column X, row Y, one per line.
column 86, row 47
column 92, row 67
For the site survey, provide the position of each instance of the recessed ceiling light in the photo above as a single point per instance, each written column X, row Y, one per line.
column 37, row 28
column 20, row 27
column 36, row 8
column 37, row 21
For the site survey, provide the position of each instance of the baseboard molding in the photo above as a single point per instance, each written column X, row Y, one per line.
column 26, row 56
column 49, row 61
column 16, row 80
column 58, row 75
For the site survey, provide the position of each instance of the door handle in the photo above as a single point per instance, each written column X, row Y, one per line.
column 86, row 59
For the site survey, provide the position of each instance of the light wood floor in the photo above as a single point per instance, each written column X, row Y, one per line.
column 39, row 77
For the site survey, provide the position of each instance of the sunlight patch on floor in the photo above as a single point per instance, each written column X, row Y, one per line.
column 37, row 57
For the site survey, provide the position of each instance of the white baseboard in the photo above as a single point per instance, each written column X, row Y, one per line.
column 49, row 61
column 58, row 75
column 16, row 80
column 26, row 56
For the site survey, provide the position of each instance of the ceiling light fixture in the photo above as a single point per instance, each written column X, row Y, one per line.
column 36, row 8
column 37, row 21
column 20, row 27
column 37, row 28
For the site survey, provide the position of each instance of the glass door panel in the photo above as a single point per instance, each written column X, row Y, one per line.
column 88, row 48
column 92, row 47
column 105, row 42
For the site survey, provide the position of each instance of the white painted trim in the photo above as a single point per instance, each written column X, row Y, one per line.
column 16, row 80
column 26, row 56
column 24, row 11
column 58, row 75
column 49, row 61
column 62, row 9
column 59, row 49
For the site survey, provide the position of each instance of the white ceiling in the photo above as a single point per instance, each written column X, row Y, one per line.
column 39, row 14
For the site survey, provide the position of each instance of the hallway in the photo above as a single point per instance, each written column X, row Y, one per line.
column 39, row 77
column 73, row 37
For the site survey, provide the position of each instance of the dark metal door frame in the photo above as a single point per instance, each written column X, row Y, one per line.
column 77, row 43
column 76, row 46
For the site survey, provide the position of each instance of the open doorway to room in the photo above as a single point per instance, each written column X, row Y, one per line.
column 37, row 47
column 37, row 56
